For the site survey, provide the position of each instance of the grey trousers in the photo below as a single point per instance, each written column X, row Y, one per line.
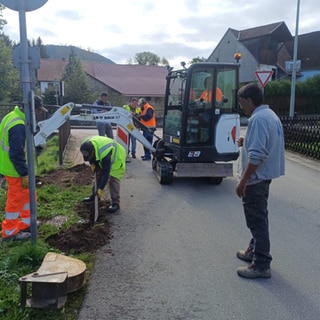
column 114, row 185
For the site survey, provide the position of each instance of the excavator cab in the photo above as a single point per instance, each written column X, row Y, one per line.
column 201, row 121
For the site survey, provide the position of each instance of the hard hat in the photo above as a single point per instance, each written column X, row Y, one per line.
column 141, row 101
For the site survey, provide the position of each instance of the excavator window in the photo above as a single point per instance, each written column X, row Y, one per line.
column 212, row 93
column 195, row 100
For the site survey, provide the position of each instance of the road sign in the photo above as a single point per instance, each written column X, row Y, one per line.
column 263, row 77
column 25, row 5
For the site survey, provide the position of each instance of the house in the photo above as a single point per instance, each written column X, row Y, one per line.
column 122, row 82
column 308, row 54
column 261, row 48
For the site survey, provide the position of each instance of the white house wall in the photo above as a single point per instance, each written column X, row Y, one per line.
column 225, row 50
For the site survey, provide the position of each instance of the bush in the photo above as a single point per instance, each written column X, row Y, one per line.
column 307, row 96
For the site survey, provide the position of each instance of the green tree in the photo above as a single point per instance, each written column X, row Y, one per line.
column 42, row 48
column 49, row 96
column 9, row 77
column 197, row 59
column 149, row 59
column 3, row 22
column 76, row 82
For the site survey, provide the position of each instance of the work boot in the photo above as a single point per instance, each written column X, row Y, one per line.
column 29, row 228
column 253, row 272
column 113, row 208
column 88, row 199
column 133, row 156
column 245, row 255
column 20, row 236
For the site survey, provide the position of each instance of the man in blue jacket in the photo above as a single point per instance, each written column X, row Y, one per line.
column 262, row 160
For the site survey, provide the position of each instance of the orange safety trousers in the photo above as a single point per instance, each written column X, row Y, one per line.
column 17, row 210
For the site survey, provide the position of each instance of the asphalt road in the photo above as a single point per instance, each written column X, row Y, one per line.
column 172, row 254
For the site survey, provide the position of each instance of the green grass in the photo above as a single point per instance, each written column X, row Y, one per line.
column 18, row 259
column 49, row 158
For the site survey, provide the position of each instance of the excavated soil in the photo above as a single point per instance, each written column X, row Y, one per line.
column 84, row 236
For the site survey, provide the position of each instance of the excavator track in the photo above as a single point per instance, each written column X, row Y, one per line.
column 163, row 171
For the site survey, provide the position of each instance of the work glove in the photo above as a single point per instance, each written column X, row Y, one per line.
column 25, row 182
column 99, row 193
column 93, row 168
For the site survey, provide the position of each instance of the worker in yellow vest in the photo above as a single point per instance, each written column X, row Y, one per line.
column 13, row 166
column 108, row 158
column 133, row 108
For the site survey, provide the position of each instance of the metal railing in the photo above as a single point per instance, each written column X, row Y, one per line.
column 302, row 134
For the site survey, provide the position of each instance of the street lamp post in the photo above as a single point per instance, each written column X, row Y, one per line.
column 294, row 68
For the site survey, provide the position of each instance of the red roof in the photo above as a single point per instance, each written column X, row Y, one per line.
column 129, row 80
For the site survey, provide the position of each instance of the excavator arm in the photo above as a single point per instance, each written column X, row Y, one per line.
column 116, row 115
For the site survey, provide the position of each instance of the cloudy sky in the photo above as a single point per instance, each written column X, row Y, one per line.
column 178, row 30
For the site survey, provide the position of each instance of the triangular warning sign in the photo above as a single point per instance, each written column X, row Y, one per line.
column 263, row 77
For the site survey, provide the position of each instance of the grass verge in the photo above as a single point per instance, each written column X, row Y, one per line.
column 21, row 258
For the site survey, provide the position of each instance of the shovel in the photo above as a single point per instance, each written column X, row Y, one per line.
column 96, row 199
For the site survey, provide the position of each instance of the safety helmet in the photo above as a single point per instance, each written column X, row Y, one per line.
column 141, row 102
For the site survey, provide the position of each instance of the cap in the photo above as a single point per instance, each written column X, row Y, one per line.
column 86, row 149
column 141, row 101
column 38, row 103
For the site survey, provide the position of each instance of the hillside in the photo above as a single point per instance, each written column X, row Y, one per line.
column 62, row 52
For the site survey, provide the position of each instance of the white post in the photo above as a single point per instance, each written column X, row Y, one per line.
column 294, row 68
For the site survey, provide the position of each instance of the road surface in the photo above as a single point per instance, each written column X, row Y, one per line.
column 172, row 254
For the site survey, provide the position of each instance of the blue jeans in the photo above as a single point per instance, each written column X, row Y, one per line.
column 133, row 144
column 149, row 137
column 105, row 129
column 255, row 205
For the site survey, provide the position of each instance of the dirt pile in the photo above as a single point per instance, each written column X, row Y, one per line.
column 85, row 236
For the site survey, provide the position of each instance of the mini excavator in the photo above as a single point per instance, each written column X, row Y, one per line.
column 199, row 134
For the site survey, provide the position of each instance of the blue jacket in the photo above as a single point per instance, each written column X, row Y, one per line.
column 264, row 145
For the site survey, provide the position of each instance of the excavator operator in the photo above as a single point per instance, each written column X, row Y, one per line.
column 206, row 95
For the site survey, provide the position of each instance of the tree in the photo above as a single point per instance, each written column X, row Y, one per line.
column 197, row 59
column 149, row 59
column 9, row 77
column 3, row 22
column 42, row 48
column 49, row 96
column 76, row 82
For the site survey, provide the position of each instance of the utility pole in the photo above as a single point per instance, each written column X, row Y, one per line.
column 294, row 68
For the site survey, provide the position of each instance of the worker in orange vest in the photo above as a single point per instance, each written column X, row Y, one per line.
column 206, row 94
column 148, row 118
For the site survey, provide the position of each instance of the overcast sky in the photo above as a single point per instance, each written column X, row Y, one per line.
column 178, row 30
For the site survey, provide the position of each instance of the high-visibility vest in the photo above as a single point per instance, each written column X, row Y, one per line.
column 103, row 146
column 12, row 119
column 127, row 107
column 207, row 95
column 152, row 121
